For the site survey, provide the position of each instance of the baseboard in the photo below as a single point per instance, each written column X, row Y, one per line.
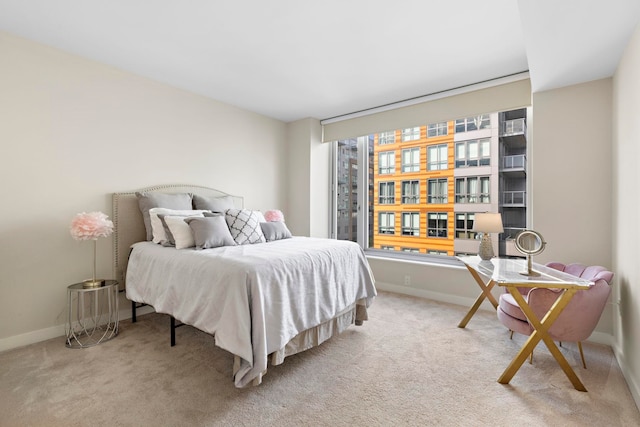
column 633, row 385
column 58, row 331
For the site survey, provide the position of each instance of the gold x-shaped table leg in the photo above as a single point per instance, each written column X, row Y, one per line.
column 486, row 293
column 540, row 332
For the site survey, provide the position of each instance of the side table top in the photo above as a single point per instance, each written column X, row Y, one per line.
column 80, row 286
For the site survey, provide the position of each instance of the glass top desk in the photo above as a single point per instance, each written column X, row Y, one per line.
column 511, row 274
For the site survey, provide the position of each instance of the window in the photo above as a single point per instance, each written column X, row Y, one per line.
column 376, row 184
column 386, row 223
column 411, row 192
column 437, row 224
column 473, row 123
column 438, row 190
column 411, row 160
column 388, row 248
column 386, row 138
column 411, row 250
column 475, row 152
column 411, row 134
column 386, row 162
column 437, row 157
column 437, row 129
column 464, row 226
column 410, row 224
column 473, row 189
column 387, row 193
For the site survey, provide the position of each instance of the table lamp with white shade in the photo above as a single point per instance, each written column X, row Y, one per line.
column 487, row 223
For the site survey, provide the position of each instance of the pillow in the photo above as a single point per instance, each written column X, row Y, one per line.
column 244, row 226
column 179, row 233
column 275, row 231
column 213, row 204
column 148, row 201
column 157, row 227
column 210, row 232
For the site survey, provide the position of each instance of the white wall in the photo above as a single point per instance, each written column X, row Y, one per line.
column 626, row 212
column 72, row 132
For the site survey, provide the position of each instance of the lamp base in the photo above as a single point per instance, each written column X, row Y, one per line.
column 485, row 251
column 91, row 283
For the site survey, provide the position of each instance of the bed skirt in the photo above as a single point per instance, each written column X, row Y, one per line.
column 313, row 337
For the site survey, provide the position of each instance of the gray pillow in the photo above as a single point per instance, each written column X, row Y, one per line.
column 148, row 201
column 213, row 204
column 275, row 231
column 210, row 232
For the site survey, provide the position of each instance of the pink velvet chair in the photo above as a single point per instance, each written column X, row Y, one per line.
column 579, row 318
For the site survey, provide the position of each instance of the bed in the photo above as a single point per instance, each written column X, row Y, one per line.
column 260, row 301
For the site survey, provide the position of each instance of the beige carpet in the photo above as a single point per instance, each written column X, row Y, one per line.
column 409, row 365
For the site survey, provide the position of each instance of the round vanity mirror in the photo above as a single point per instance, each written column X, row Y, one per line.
column 529, row 243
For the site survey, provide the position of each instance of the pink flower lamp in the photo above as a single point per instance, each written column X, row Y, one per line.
column 90, row 226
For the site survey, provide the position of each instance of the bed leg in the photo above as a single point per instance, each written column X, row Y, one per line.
column 173, row 331
column 133, row 312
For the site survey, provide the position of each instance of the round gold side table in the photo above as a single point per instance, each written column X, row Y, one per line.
column 92, row 314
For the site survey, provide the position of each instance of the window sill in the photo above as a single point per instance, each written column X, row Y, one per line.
column 431, row 260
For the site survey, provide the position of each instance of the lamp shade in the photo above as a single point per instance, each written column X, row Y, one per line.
column 488, row 223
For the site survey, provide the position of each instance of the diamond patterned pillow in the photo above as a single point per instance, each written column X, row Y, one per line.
column 244, row 226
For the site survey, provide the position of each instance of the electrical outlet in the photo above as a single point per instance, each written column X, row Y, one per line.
column 407, row 280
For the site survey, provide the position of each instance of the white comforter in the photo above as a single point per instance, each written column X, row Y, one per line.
column 252, row 298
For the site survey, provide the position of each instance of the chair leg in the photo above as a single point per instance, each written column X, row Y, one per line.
column 511, row 336
column 584, row 364
column 531, row 358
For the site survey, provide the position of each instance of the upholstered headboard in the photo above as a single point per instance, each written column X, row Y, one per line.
column 129, row 225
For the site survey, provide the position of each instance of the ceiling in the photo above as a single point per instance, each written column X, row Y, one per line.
column 292, row 59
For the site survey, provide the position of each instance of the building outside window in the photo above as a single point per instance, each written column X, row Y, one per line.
column 387, row 193
column 464, row 225
column 386, row 162
column 437, row 129
column 386, row 223
column 437, row 224
column 411, row 250
column 411, row 192
column 410, row 224
column 437, row 190
column 468, row 124
column 437, row 157
column 411, row 134
column 473, row 189
column 386, row 138
column 475, row 152
column 411, row 160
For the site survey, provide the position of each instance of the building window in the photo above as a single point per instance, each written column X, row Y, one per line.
column 411, row 160
column 410, row 224
column 437, row 224
column 468, row 124
column 438, row 190
column 437, row 252
column 437, row 157
column 437, row 129
column 473, row 189
column 387, row 192
column 464, row 226
column 411, row 250
column 388, row 248
column 475, row 152
column 411, row 192
column 386, row 138
column 386, row 223
column 411, row 134
column 386, row 162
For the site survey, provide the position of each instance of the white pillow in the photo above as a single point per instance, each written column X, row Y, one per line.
column 182, row 234
column 244, row 226
column 159, row 234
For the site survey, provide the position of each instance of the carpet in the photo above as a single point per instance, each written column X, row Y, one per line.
column 409, row 365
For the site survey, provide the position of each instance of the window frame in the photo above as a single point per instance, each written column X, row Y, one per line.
column 414, row 163
column 413, row 229
column 386, row 198
column 404, row 198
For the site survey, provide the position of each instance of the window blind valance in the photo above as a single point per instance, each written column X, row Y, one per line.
column 476, row 99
